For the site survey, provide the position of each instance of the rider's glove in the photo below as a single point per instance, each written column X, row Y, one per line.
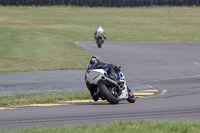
column 118, row 68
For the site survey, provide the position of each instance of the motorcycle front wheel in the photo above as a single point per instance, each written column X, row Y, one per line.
column 99, row 43
column 131, row 97
column 111, row 98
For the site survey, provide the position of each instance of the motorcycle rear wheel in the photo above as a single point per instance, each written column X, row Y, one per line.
column 106, row 93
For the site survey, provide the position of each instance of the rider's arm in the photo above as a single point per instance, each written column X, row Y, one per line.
column 95, row 34
column 104, row 35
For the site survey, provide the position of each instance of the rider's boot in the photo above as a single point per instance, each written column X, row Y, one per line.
column 95, row 96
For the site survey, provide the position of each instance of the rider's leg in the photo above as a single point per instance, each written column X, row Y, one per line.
column 96, row 39
column 93, row 91
column 111, row 72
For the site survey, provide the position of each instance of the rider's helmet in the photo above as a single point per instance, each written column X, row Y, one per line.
column 100, row 29
column 94, row 59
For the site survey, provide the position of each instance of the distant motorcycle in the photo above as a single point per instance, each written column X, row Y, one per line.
column 100, row 40
column 109, row 89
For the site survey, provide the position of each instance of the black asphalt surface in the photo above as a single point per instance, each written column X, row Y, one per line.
column 173, row 68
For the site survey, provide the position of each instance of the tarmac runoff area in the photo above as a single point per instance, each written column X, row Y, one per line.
column 61, row 80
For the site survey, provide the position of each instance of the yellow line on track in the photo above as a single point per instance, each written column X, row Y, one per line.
column 150, row 90
column 81, row 101
column 34, row 105
column 45, row 105
column 1, row 108
column 146, row 94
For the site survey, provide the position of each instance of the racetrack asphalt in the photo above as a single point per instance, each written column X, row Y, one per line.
column 51, row 81
column 42, row 81
column 173, row 68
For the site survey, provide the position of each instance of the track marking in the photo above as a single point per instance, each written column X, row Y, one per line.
column 150, row 86
column 150, row 90
column 196, row 63
column 32, row 105
column 1, row 108
column 81, row 101
column 45, row 105
column 163, row 92
column 144, row 94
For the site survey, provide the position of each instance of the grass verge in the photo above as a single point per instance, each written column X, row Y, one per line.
column 42, row 38
column 121, row 126
column 32, row 98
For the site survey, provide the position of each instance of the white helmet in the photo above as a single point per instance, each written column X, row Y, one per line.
column 100, row 29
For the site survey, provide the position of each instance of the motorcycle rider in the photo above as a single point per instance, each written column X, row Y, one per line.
column 98, row 31
column 109, row 68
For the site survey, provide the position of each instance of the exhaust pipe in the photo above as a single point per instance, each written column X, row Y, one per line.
column 109, row 80
column 112, row 82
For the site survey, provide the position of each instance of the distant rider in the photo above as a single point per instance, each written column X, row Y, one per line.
column 109, row 68
column 98, row 31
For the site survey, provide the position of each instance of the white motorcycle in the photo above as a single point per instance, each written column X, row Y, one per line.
column 109, row 89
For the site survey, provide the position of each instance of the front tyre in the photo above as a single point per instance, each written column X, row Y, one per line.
column 106, row 93
column 100, row 42
column 131, row 97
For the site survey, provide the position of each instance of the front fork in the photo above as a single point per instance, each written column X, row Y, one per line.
column 124, row 94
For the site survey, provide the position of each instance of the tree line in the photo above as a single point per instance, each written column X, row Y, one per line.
column 101, row 3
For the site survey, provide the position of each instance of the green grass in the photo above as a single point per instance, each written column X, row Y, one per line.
column 121, row 126
column 32, row 98
column 42, row 38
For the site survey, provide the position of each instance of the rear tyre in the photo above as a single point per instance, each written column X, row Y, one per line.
column 131, row 97
column 106, row 93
